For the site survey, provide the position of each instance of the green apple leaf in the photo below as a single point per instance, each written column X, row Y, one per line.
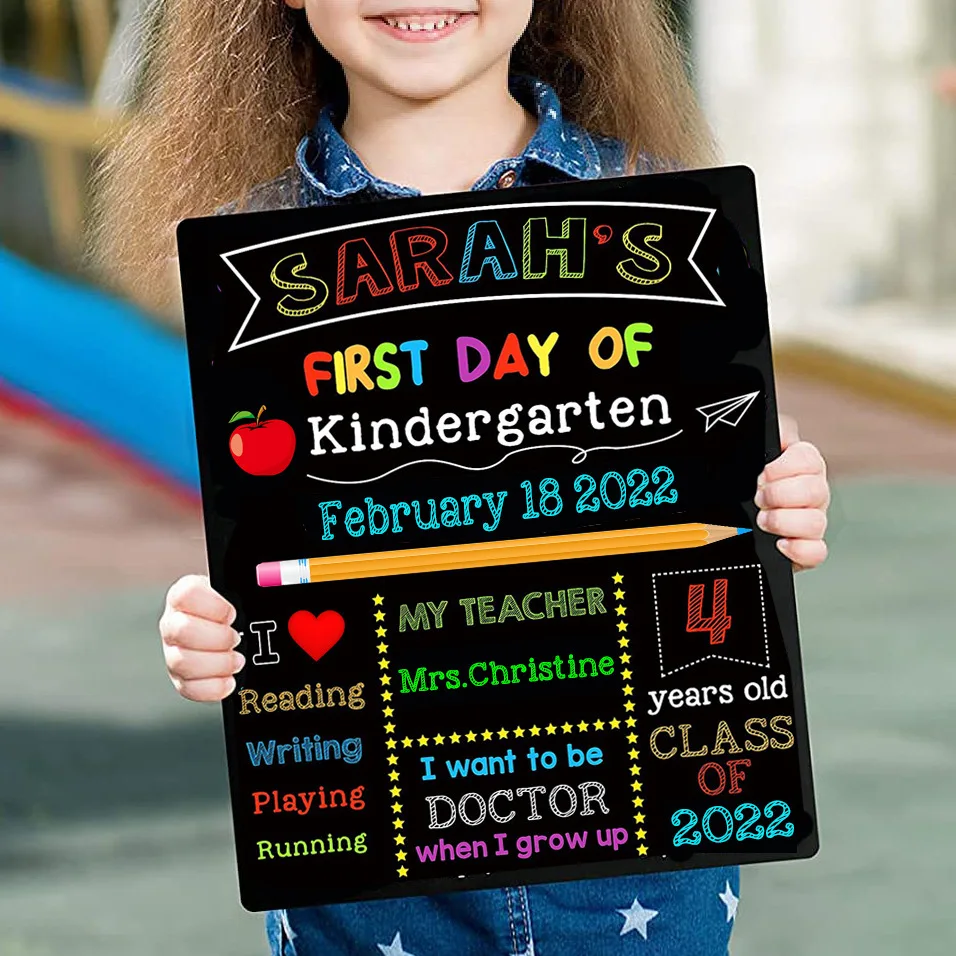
column 240, row 416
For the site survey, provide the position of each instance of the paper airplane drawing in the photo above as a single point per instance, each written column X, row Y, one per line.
column 730, row 410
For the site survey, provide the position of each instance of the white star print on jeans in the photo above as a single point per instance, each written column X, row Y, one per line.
column 395, row 948
column 636, row 917
column 730, row 901
column 683, row 913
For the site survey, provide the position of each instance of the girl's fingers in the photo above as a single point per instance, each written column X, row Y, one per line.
column 802, row 491
column 801, row 458
column 188, row 665
column 208, row 690
column 794, row 522
column 184, row 630
column 789, row 435
column 804, row 553
column 193, row 595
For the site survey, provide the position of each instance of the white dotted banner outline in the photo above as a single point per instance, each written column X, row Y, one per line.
column 710, row 657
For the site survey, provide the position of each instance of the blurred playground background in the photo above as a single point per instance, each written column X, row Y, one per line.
column 114, row 824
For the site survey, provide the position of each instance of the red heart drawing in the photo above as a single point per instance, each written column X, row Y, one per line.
column 316, row 635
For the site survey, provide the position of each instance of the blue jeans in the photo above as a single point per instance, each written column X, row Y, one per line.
column 687, row 913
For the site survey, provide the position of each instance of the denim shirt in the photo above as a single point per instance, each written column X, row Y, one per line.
column 668, row 914
column 327, row 170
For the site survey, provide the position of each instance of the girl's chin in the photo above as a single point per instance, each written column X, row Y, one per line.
column 420, row 89
column 424, row 78
column 464, row 21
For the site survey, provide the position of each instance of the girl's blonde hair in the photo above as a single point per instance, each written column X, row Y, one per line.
column 232, row 87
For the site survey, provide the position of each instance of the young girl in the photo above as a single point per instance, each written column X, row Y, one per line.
column 278, row 103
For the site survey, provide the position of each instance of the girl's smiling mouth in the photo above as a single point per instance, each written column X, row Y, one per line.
column 419, row 25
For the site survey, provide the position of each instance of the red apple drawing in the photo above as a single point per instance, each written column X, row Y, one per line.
column 261, row 447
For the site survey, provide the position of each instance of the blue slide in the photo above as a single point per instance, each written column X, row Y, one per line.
column 98, row 361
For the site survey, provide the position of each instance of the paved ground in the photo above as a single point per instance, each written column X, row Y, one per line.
column 114, row 833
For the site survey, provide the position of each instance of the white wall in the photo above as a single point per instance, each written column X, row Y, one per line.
column 830, row 102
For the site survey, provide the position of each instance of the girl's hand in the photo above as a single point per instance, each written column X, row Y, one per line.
column 198, row 640
column 793, row 497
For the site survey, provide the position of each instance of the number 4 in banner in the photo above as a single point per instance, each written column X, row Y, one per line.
column 718, row 624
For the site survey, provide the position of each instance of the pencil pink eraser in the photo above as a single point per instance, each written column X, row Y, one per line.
column 269, row 574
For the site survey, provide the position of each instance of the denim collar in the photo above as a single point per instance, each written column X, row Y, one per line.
column 332, row 167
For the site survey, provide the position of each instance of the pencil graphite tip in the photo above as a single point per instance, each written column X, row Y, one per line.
column 745, row 531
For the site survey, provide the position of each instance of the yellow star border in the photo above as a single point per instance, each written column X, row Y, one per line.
column 487, row 734
column 391, row 741
column 623, row 642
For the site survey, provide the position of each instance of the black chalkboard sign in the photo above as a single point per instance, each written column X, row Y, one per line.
column 478, row 474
